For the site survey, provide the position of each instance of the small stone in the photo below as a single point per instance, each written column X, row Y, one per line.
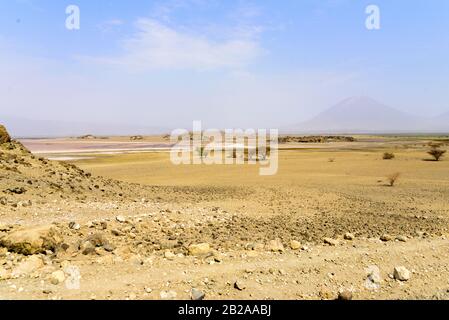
column 120, row 219
column 148, row 290
column 402, row 238
column 326, row 294
column 168, row 295
column 196, row 294
column 345, row 295
column 295, row 245
column 239, row 285
column 87, row 248
column 57, row 277
column 386, row 238
column 199, row 249
column 74, row 226
column 108, row 247
column 401, row 274
column 117, row 233
column 330, row 241
column 275, row 245
column 349, row 236
column 169, row 255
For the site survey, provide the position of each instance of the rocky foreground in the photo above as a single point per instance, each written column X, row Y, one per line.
column 120, row 259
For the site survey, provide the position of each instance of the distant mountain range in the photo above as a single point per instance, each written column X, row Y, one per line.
column 352, row 115
column 366, row 115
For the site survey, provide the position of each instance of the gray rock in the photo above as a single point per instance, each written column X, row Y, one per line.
column 196, row 294
column 168, row 295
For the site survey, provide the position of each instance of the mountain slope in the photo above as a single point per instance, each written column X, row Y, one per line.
column 363, row 114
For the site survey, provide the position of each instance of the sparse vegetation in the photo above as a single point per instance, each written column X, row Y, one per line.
column 392, row 178
column 388, row 156
column 315, row 139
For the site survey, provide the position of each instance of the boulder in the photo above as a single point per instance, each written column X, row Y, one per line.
column 28, row 266
column 33, row 240
column 4, row 136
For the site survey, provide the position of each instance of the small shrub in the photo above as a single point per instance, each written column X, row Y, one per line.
column 436, row 153
column 388, row 156
column 331, row 160
column 392, row 178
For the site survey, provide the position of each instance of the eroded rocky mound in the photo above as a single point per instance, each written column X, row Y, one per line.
column 26, row 178
column 4, row 136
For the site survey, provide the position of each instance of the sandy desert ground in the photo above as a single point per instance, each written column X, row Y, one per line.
column 128, row 224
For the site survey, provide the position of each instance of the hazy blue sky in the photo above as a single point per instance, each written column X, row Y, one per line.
column 242, row 63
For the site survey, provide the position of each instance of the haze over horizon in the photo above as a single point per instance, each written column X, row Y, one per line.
column 163, row 64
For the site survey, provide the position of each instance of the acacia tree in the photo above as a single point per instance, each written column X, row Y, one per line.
column 436, row 153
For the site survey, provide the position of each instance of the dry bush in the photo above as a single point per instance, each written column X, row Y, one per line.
column 331, row 160
column 392, row 178
column 436, row 153
column 388, row 156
